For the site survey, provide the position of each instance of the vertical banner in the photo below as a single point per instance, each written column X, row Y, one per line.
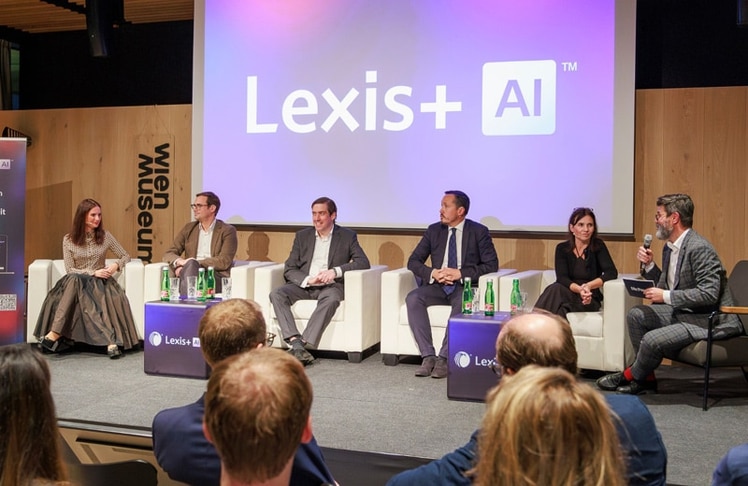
column 12, row 220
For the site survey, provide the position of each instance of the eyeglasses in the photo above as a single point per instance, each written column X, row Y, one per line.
column 269, row 338
column 584, row 208
column 497, row 369
column 196, row 206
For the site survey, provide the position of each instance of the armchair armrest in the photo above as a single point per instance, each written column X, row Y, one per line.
column 152, row 281
column 616, row 306
column 134, row 279
column 363, row 305
column 39, row 283
column 396, row 284
column 243, row 278
column 267, row 278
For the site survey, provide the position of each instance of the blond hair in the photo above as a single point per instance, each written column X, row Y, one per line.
column 544, row 428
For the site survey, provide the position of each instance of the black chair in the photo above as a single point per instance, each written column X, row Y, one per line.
column 128, row 473
column 714, row 353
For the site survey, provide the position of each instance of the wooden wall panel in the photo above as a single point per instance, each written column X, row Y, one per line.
column 686, row 140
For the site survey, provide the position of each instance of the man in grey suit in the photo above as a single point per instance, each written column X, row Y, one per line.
column 458, row 248
column 692, row 284
column 315, row 270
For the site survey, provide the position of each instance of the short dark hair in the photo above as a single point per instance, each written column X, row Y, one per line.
column 213, row 200
column 461, row 199
column 331, row 206
column 678, row 203
column 230, row 327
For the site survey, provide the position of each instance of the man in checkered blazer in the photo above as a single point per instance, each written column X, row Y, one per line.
column 691, row 284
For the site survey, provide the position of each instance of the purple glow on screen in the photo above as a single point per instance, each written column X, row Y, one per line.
column 384, row 105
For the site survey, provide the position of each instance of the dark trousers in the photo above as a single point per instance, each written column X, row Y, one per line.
column 417, row 303
column 328, row 300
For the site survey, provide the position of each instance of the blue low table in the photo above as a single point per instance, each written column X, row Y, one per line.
column 172, row 346
column 472, row 351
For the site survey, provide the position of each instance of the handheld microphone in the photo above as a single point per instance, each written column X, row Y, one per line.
column 647, row 244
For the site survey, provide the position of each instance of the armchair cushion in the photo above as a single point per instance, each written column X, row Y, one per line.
column 355, row 326
column 397, row 338
column 44, row 274
column 601, row 337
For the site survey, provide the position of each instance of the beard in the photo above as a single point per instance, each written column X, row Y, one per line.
column 662, row 232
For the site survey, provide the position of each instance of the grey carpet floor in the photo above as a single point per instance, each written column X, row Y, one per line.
column 371, row 407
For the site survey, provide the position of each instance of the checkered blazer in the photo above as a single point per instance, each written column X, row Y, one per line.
column 700, row 284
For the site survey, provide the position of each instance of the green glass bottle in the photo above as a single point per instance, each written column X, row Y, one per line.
column 164, row 283
column 201, row 285
column 489, row 304
column 515, row 298
column 211, row 283
column 467, row 296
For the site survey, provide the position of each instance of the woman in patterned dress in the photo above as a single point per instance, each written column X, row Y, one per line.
column 87, row 305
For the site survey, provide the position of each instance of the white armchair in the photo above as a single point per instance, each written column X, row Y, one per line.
column 397, row 338
column 601, row 337
column 354, row 328
column 242, row 279
column 44, row 274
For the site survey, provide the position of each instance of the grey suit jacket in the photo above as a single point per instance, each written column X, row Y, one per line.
column 345, row 252
column 700, row 284
column 222, row 246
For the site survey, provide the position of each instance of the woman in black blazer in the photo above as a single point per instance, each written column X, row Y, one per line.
column 583, row 265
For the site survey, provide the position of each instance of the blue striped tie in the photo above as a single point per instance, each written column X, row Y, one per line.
column 451, row 258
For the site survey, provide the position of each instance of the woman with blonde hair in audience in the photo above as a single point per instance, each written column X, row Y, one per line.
column 542, row 427
column 29, row 450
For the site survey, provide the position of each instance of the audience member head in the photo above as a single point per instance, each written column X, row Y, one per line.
column 257, row 413
column 82, row 214
column 211, row 199
column 28, row 425
column 543, row 427
column 231, row 327
column 539, row 338
column 577, row 215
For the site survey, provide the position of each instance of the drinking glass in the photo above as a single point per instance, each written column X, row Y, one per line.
column 525, row 304
column 174, row 288
column 476, row 300
column 191, row 288
column 225, row 288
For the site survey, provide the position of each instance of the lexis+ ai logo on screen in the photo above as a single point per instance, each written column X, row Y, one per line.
column 519, row 98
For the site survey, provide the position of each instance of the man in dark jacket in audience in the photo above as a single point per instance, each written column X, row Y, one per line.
column 546, row 340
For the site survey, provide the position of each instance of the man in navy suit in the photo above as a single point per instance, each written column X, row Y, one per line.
column 458, row 248
column 691, row 285
column 315, row 269
column 181, row 449
column 545, row 339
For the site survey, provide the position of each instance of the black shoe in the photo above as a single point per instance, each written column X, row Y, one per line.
column 113, row 352
column 637, row 387
column 426, row 366
column 302, row 355
column 612, row 381
column 440, row 368
column 58, row 346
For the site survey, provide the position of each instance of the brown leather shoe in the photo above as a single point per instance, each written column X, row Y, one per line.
column 440, row 368
column 426, row 366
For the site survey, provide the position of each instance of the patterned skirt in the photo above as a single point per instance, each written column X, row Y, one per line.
column 89, row 310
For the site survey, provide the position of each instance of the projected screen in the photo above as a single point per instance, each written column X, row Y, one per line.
column 383, row 105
